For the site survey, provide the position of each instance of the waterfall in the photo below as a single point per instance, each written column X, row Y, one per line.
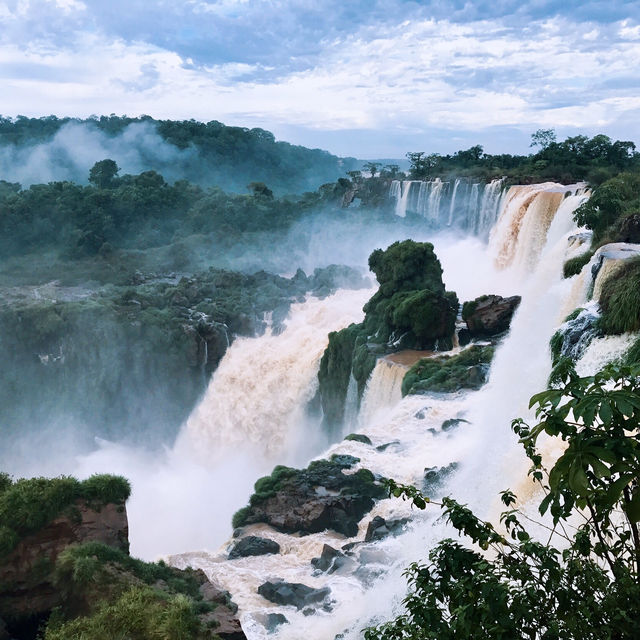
column 383, row 389
column 453, row 201
column 472, row 207
column 257, row 396
column 525, row 256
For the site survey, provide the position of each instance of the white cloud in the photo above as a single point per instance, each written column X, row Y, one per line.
column 417, row 75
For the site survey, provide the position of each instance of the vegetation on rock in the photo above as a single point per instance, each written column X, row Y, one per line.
column 466, row 370
column 410, row 310
column 620, row 299
column 27, row 505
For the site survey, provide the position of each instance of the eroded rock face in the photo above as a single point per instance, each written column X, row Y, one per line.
column 490, row 315
column 379, row 528
column 317, row 498
column 25, row 575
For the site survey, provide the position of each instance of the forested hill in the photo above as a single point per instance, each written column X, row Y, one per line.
column 37, row 150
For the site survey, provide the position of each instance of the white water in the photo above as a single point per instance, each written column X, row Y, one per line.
column 251, row 418
column 473, row 207
column 525, row 256
column 257, row 397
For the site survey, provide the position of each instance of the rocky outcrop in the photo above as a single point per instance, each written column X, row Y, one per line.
column 379, row 528
column 293, row 594
column 253, row 546
column 410, row 310
column 489, row 316
column 26, row 573
column 330, row 560
column 313, row 499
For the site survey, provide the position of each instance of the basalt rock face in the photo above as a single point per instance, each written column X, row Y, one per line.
column 313, row 499
column 489, row 316
column 26, row 573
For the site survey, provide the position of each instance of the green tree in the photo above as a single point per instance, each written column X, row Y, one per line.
column 543, row 138
column 582, row 582
column 103, row 173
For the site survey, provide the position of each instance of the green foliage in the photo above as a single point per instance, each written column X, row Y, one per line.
column 620, row 299
column 407, row 266
column 239, row 518
column 573, row 266
column 609, row 205
column 268, row 486
column 466, row 370
column 555, row 346
column 633, row 355
column 587, row 587
column 140, row 613
column 27, row 505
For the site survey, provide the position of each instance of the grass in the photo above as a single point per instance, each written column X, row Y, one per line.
column 140, row 613
column 620, row 300
column 573, row 266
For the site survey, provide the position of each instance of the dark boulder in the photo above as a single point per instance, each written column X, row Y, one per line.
column 253, row 546
column 330, row 560
column 359, row 437
column 313, row 499
column 380, row 528
column 272, row 621
column 489, row 316
column 453, row 423
column 292, row 593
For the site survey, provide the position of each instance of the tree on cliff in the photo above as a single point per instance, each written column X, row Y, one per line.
column 583, row 583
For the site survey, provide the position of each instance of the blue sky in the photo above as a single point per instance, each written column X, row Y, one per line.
column 368, row 78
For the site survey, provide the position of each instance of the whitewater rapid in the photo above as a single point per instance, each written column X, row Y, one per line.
column 527, row 248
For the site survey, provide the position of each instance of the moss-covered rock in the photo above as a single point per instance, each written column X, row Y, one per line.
column 573, row 266
column 410, row 310
column 466, row 370
column 313, row 499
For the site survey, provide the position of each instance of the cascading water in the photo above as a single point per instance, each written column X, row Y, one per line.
column 409, row 437
column 257, row 397
column 472, row 207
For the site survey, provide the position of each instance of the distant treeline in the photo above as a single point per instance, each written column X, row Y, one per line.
column 577, row 158
column 229, row 157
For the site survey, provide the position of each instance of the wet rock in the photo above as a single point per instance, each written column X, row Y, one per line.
column 27, row 588
column 292, row 594
column 309, row 611
column 313, row 499
column 434, row 477
column 359, row 437
column 380, row 528
column 330, row 560
column 490, row 315
column 253, row 546
column 384, row 447
column 453, row 423
column 273, row 620
column 4, row 634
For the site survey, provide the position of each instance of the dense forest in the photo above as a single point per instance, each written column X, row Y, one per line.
column 204, row 153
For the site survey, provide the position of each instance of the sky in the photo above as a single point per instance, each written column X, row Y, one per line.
column 365, row 78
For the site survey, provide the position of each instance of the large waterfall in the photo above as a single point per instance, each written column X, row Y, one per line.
column 472, row 206
column 533, row 236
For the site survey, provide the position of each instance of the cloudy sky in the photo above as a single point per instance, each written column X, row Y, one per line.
column 370, row 78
